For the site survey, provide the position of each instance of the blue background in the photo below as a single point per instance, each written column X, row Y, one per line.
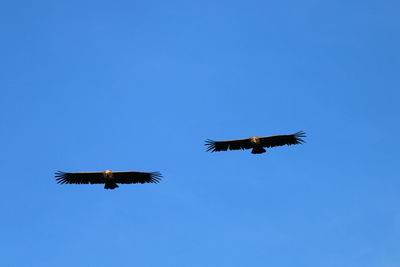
column 139, row 85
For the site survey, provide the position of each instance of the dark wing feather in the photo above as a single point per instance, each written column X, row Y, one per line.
column 133, row 177
column 281, row 140
column 79, row 177
column 215, row 146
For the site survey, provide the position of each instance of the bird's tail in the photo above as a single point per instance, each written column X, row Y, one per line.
column 258, row 150
column 110, row 186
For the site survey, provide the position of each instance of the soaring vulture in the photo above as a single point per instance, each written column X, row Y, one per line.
column 107, row 177
column 256, row 143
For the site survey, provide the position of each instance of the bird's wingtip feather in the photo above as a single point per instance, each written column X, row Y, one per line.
column 299, row 135
column 155, row 177
column 61, row 177
column 210, row 145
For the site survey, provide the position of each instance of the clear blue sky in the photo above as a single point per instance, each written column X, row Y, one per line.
column 139, row 85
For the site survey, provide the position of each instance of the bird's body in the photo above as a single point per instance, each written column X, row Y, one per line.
column 255, row 143
column 109, row 178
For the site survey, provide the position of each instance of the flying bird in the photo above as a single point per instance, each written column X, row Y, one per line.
column 107, row 177
column 255, row 143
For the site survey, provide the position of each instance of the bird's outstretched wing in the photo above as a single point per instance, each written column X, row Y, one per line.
column 281, row 140
column 79, row 177
column 215, row 146
column 134, row 177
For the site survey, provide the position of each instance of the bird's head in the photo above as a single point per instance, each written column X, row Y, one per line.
column 255, row 139
column 108, row 174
